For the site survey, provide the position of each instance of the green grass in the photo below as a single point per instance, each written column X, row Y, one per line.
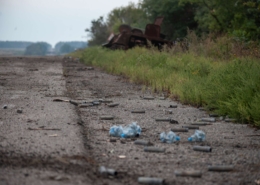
column 228, row 87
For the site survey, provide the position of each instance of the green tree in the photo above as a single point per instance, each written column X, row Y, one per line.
column 177, row 16
column 39, row 48
column 98, row 32
column 132, row 15
column 66, row 48
column 241, row 18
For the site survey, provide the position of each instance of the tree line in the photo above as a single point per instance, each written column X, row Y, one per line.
column 237, row 18
column 43, row 48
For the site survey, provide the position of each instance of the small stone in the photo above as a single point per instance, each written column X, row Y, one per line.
column 5, row 107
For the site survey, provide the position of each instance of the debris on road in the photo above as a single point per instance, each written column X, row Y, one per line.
column 199, row 135
column 230, row 120
column 53, row 135
column 150, row 180
column 148, row 98
column 180, row 129
column 131, row 130
column 191, row 127
column 201, row 123
column 85, row 105
column 113, row 104
column 43, row 128
column 154, row 149
column 138, row 111
column 59, row 178
column 213, row 115
column 5, row 107
column 170, row 137
column 208, row 119
column 73, row 102
column 202, row 148
column 19, row 111
column 163, row 119
column 174, row 121
column 108, row 117
column 60, row 100
column 221, row 168
column 107, row 171
column 173, row 106
column 143, row 142
column 194, row 173
column 105, row 101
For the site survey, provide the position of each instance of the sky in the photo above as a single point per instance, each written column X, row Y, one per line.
column 52, row 21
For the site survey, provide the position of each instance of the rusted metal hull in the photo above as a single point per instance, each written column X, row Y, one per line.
column 129, row 38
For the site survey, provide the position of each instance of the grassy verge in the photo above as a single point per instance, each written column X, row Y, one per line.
column 227, row 87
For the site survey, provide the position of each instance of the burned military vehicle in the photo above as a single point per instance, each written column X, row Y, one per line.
column 130, row 37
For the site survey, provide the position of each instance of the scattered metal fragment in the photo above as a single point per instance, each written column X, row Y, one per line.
column 43, row 128
column 62, row 100
column 201, row 123
column 180, row 129
column 174, row 121
column 194, row 173
column 208, row 119
column 112, row 140
column 19, row 111
column 230, row 120
column 213, row 115
column 59, row 178
column 5, row 107
column 107, row 171
column 96, row 103
column 202, row 148
column 106, row 101
column 143, row 142
column 106, row 117
column 85, row 105
column 138, row 111
column 162, row 119
column 73, row 102
column 191, row 127
column 150, row 180
column 53, row 135
column 223, row 168
column 153, row 149
column 148, row 97
column 252, row 135
column 173, row 106
column 113, row 104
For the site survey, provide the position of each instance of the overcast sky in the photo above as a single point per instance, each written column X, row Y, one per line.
column 51, row 20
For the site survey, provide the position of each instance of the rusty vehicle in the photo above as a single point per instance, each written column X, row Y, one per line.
column 130, row 37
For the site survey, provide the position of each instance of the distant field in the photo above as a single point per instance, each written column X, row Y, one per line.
column 11, row 51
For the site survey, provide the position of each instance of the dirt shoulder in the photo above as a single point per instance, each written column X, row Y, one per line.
column 72, row 153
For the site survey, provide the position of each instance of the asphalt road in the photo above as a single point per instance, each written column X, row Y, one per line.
column 43, row 141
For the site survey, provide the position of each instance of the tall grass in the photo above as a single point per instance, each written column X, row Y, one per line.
column 214, row 78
